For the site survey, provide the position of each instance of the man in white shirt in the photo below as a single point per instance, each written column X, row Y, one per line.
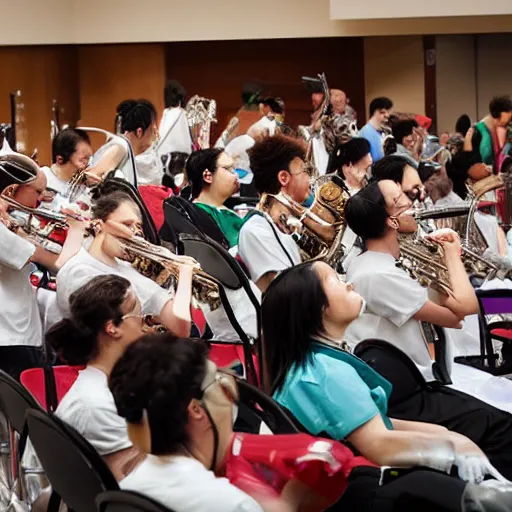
column 278, row 166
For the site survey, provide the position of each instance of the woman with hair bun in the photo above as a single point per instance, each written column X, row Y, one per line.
column 105, row 318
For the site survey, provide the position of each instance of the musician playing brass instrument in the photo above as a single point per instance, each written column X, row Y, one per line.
column 105, row 255
column 22, row 184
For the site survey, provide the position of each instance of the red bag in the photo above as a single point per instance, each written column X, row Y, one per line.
column 263, row 464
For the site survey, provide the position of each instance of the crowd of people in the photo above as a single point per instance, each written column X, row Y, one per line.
column 414, row 429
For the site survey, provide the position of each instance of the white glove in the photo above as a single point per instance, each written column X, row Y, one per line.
column 474, row 468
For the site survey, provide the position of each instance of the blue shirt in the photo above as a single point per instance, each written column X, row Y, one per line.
column 375, row 138
column 334, row 392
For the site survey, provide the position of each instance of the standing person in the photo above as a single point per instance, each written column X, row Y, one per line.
column 278, row 166
column 374, row 130
column 488, row 137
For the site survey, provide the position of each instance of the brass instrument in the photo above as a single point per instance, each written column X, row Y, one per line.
column 318, row 230
column 162, row 266
column 48, row 228
column 201, row 114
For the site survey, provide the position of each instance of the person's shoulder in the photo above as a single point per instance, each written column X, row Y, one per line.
column 367, row 129
column 256, row 224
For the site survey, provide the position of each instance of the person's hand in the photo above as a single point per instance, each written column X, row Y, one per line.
column 473, row 468
column 117, row 229
column 92, row 179
column 449, row 240
column 73, row 218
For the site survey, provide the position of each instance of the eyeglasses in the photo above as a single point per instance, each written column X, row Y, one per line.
column 227, row 382
column 145, row 321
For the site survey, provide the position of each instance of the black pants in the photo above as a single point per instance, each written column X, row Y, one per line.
column 419, row 491
column 15, row 359
column 490, row 428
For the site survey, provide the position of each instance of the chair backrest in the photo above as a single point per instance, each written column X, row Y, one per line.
column 15, row 401
column 494, row 302
column 127, row 501
column 38, row 381
column 266, row 409
column 216, row 261
column 76, row 471
column 394, row 365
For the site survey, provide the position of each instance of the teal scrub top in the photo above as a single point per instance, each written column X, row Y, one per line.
column 334, row 392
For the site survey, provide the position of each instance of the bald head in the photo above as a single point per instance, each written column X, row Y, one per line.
column 338, row 101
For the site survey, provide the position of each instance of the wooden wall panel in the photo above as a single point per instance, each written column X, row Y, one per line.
column 219, row 69
column 41, row 73
column 110, row 74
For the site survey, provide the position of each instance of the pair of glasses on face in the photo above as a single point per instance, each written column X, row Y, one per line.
column 145, row 320
column 227, row 383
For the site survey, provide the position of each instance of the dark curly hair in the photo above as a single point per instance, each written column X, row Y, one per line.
column 160, row 374
column 75, row 339
column 271, row 155
column 500, row 104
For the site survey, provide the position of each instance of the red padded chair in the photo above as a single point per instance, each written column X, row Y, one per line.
column 49, row 385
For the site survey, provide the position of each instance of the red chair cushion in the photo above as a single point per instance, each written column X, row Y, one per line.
column 33, row 380
column 502, row 333
column 225, row 355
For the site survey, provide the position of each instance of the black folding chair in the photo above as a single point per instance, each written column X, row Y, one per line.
column 216, row 261
column 256, row 406
column 15, row 401
column 127, row 501
column 75, row 469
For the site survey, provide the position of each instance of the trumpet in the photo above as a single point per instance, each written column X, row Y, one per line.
column 162, row 266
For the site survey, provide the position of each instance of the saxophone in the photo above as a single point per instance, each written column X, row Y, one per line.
column 318, row 230
column 162, row 266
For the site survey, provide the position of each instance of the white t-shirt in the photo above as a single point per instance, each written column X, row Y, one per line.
column 150, row 170
column 126, row 167
column 62, row 187
column 174, row 132
column 20, row 323
column 90, row 409
column 183, row 484
column 260, row 250
column 392, row 298
column 243, row 310
column 82, row 267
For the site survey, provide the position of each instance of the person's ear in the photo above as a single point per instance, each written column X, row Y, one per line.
column 284, row 178
column 195, row 410
column 114, row 331
column 207, row 176
column 393, row 223
column 139, row 133
column 59, row 160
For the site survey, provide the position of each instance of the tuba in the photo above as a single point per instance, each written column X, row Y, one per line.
column 201, row 114
column 162, row 266
column 317, row 230
column 227, row 134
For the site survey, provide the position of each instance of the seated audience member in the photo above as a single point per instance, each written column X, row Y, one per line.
column 398, row 305
column 278, row 166
column 214, row 180
column 333, row 393
column 102, row 257
column 71, row 152
column 374, row 130
column 20, row 322
column 179, row 411
column 105, row 317
column 179, row 407
column 407, row 138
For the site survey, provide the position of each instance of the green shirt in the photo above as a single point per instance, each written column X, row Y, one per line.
column 228, row 221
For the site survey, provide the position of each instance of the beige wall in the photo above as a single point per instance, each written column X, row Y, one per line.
column 377, row 9
column 112, row 21
column 456, row 85
column 393, row 67
column 494, row 68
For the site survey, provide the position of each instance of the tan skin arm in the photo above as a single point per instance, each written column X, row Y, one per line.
column 175, row 314
column 109, row 161
column 502, row 242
